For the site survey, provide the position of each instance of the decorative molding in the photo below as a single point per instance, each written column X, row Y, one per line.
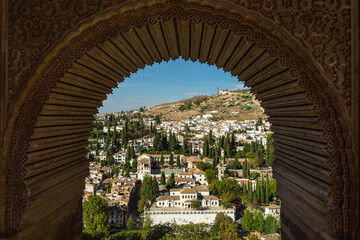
column 323, row 27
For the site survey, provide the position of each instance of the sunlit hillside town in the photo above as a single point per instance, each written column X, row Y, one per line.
column 188, row 171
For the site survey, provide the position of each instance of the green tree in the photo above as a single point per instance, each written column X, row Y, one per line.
column 96, row 214
column 141, row 205
column 203, row 166
column 171, row 159
column 154, row 189
column 108, row 189
column 195, row 204
column 224, row 226
column 130, row 223
column 250, row 191
column 127, row 167
column 267, row 196
column 171, row 183
column 272, row 189
column 147, row 222
column 245, row 169
column 252, row 237
column 178, row 161
column 186, row 232
column 157, row 119
column 259, row 156
column 227, row 199
column 162, row 160
column 259, row 222
column 162, row 179
column 116, row 172
column 247, row 221
column 134, row 166
column 262, row 191
column 270, row 225
column 269, row 152
column 210, row 175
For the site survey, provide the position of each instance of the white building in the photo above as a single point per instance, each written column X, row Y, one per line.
column 183, row 197
column 272, row 210
column 196, row 174
column 177, row 207
column 143, row 168
column 120, row 157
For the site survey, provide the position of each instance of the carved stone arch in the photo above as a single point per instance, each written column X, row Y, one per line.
column 58, row 102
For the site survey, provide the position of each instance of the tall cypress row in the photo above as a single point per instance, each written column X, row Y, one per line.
column 267, row 189
column 250, row 192
column 257, row 189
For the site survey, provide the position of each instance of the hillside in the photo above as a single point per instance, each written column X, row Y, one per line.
column 228, row 105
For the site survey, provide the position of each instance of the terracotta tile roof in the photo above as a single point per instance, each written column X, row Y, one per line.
column 182, row 179
column 210, row 197
column 185, row 173
column 164, row 198
column 201, row 188
column 196, row 171
column 144, row 160
column 188, row 191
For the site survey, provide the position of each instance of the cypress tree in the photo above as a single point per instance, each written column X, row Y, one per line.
column 233, row 144
column 134, row 166
column 205, row 147
column 154, row 189
column 162, row 160
column 245, row 169
column 267, row 189
column 162, row 179
column 257, row 189
column 250, row 192
column 108, row 127
column 211, row 140
column 171, row 159
column 262, row 191
column 178, row 161
column 97, row 147
column 171, row 142
column 171, row 183
column 190, row 150
column 132, row 152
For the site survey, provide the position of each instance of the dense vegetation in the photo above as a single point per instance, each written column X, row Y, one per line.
column 223, row 228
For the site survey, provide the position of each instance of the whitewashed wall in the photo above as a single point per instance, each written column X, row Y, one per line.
column 185, row 217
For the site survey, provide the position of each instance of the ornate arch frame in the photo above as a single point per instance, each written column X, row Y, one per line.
column 56, row 61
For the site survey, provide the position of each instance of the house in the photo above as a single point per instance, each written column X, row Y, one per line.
column 177, row 207
column 272, row 210
column 197, row 174
column 120, row 157
column 191, row 161
column 143, row 167
column 117, row 215
column 184, row 197
column 245, row 182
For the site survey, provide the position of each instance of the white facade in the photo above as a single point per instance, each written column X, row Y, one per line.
column 182, row 198
column 186, row 216
column 272, row 210
column 196, row 174
column 120, row 157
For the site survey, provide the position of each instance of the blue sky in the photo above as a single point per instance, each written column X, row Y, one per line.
column 168, row 82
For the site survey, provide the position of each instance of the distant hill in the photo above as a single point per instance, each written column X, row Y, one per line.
column 227, row 105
